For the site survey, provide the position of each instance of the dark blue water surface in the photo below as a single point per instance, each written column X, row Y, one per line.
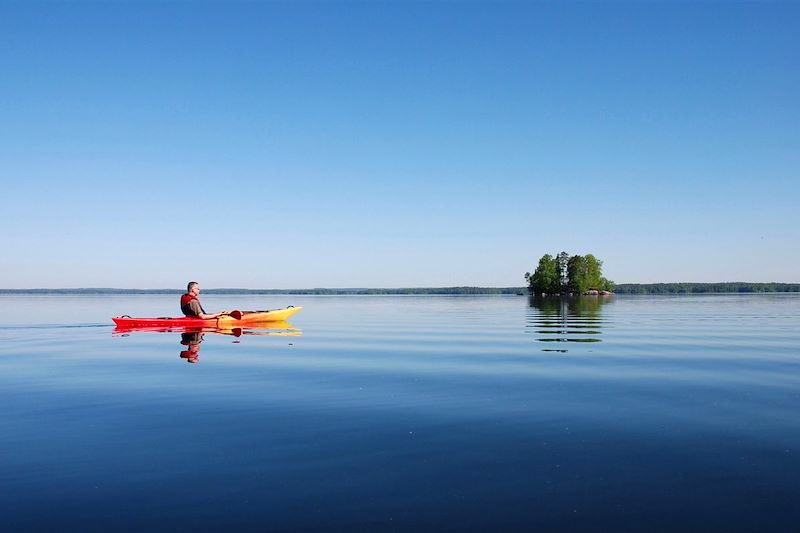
column 404, row 413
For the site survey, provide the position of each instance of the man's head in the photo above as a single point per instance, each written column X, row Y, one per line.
column 193, row 288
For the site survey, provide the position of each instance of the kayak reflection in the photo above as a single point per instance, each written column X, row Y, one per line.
column 271, row 329
column 191, row 338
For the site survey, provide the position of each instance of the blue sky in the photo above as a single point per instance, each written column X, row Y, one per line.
column 396, row 144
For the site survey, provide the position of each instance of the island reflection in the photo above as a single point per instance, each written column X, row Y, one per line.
column 563, row 319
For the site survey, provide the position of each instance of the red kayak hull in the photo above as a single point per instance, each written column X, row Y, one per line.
column 247, row 318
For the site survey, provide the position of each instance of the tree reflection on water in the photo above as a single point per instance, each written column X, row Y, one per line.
column 563, row 319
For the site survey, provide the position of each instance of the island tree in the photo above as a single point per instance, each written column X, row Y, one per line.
column 565, row 274
column 547, row 277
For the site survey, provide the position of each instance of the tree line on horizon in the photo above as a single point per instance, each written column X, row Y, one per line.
column 622, row 288
column 565, row 274
column 310, row 292
column 704, row 288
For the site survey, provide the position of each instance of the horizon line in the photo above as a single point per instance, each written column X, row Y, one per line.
column 426, row 288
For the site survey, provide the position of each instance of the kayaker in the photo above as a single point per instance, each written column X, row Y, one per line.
column 190, row 303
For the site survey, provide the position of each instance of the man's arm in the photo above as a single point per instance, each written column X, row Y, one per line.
column 197, row 309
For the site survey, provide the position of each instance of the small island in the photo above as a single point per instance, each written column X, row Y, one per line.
column 564, row 275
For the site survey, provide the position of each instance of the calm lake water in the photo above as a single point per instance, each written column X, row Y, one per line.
column 404, row 413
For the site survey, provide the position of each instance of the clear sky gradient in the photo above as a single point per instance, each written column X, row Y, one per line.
column 395, row 144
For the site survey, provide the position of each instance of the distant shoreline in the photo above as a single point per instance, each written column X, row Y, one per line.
column 622, row 288
column 741, row 287
column 316, row 291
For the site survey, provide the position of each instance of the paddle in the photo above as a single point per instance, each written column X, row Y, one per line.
column 235, row 314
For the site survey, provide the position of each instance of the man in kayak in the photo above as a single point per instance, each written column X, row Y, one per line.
column 190, row 303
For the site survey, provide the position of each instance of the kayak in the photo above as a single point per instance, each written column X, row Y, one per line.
column 236, row 319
